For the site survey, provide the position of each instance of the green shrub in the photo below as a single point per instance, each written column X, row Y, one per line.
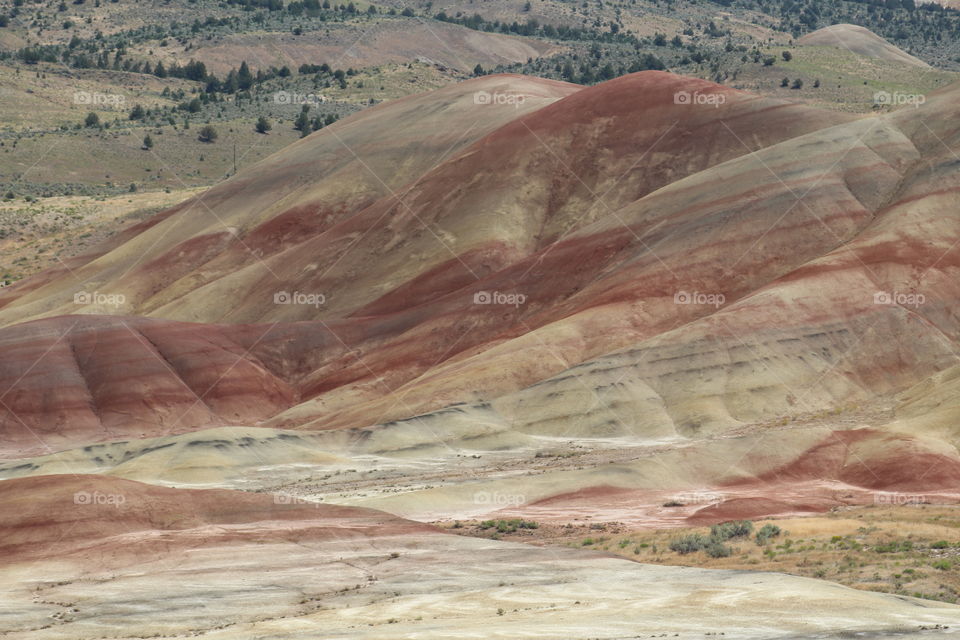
column 727, row 530
column 689, row 544
column 766, row 532
column 208, row 134
column 509, row 526
column 894, row 547
column 717, row 550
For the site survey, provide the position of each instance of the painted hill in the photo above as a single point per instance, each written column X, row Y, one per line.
column 342, row 211
column 228, row 254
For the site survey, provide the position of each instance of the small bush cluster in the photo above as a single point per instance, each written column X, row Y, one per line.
column 713, row 544
column 508, row 526
column 894, row 547
column 718, row 550
column 690, row 544
column 766, row 532
column 727, row 530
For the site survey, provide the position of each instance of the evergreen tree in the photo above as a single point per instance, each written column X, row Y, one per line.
column 244, row 77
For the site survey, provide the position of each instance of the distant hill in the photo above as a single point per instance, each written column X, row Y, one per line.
column 859, row 40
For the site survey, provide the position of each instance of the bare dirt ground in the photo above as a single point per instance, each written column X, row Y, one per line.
column 37, row 235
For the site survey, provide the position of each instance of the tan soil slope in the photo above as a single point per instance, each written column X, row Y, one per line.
column 366, row 45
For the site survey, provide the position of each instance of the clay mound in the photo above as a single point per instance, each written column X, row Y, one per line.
column 96, row 518
column 811, row 262
column 820, row 241
column 82, row 379
column 859, row 40
column 873, row 459
column 612, row 286
column 788, row 472
column 760, row 507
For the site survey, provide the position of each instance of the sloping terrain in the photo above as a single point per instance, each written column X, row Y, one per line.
column 506, row 298
column 859, row 40
column 662, row 280
column 75, row 379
